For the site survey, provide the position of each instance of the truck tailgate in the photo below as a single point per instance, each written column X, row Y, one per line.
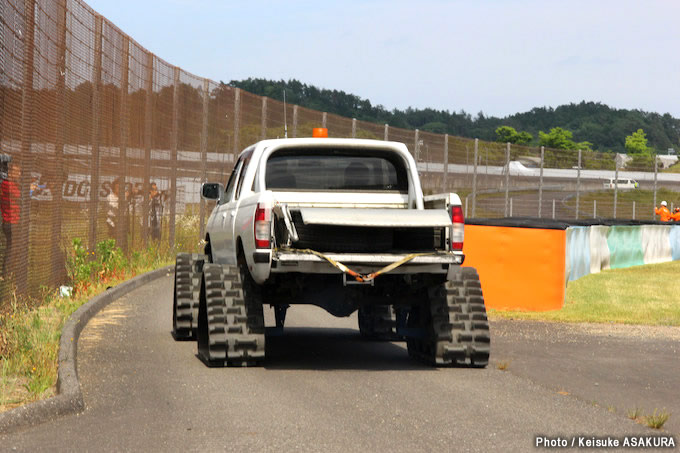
column 400, row 218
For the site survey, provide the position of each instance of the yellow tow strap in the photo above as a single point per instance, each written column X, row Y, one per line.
column 358, row 276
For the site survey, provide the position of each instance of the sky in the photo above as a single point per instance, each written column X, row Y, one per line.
column 496, row 56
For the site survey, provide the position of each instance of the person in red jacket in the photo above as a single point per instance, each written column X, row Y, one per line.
column 663, row 212
column 9, row 207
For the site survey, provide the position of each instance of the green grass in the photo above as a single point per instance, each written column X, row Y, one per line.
column 672, row 169
column 636, row 295
column 641, row 197
column 644, row 203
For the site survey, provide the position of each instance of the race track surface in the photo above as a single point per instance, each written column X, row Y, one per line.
column 325, row 389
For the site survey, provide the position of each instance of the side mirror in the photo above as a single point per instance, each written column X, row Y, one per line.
column 212, row 190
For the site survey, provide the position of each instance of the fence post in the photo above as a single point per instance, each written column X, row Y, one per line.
column 204, row 149
column 173, row 163
column 633, row 209
column 19, row 252
column 474, row 181
column 148, row 139
column 324, row 119
column 124, row 125
column 507, row 176
column 237, row 121
column 263, row 123
column 387, row 133
column 56, row 255
column 295, row 120
column 95, row 169
column 540, row 183
column 446, row 165
column 656, row 172
column 354, row 128
column 553, row 209
column 416, row 148
column 510, row 207
column 616, row 185
column 594, row 209
column 578, row 183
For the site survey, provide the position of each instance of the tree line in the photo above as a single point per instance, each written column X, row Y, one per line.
column 590, row 125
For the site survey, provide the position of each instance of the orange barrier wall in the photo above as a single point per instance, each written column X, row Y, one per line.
column 520, row 268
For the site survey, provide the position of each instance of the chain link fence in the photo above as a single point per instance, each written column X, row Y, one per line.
column 102, row 139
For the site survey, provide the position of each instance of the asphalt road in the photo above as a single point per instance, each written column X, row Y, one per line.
column 325, row 389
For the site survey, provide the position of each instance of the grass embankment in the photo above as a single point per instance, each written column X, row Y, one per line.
column 644, row 203
column 672, row 169
column 636, row 295
column 641, row 197
column 30, row 329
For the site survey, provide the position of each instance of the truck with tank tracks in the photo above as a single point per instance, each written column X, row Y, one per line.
column 337, row 223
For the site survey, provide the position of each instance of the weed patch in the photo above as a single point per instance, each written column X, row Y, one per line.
column 502, row 366
column 635, row 414
column 657, row 420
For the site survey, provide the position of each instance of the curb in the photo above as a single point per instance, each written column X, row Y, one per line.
column 69, row 398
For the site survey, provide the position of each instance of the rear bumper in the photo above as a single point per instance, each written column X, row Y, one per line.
column 293, row 261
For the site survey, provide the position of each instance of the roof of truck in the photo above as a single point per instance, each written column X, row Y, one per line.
column 326, row 141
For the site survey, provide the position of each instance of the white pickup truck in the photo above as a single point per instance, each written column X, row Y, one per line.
column 337, row 223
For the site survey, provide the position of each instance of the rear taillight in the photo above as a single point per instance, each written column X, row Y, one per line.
column 458, row 230
column 262, row 227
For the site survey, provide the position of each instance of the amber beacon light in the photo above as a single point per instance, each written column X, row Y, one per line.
column 320, row 132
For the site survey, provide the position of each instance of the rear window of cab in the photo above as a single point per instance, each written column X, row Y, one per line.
column 326, row 169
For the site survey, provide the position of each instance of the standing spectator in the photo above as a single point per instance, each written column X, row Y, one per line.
column 112, row 208
column 36, row 188
column 155, row 212
column 663, row 212
column 676, row 215
column 9, row 205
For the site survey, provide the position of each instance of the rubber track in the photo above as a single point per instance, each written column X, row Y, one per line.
column 231, row 321
column 377, row 322
column 457, row 326
column 188, row 268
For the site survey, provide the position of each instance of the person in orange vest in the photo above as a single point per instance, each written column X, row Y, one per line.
column 676, row 215
column 663, row 212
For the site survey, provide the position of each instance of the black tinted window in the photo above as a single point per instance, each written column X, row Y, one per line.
column 325, row 169
column 244, row 167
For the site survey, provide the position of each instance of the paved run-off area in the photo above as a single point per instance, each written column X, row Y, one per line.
column 325, row 389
